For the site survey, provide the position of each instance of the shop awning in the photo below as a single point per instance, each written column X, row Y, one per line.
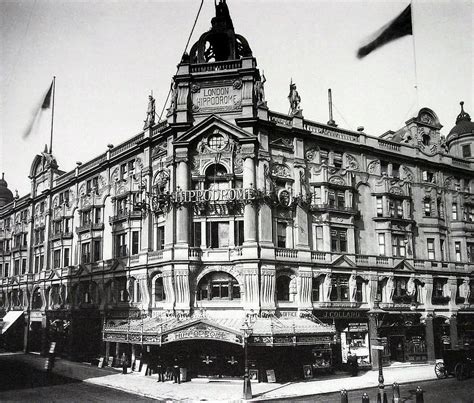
column 270, row 331
column 9, row 319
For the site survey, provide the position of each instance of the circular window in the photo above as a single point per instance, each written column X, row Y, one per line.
column 216, row 142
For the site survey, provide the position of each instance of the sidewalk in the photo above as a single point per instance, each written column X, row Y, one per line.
column 228, row 390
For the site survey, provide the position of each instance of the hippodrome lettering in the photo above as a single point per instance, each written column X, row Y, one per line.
column 195, row 196
column 220, row 96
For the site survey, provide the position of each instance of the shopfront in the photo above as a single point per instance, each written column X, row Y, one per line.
column 465, row 324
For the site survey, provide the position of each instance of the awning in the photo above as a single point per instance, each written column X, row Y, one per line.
column 261, row 331
column 9, row 319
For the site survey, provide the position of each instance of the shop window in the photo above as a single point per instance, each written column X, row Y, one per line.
column 454, row 211
column 427, row 207
column 466, row 151
column 457, row 251
column 135, row 242
column 196, row 241
column 430, row 248
column 239, row 233
column 338, row 240
column 160, row 237
column 340, row 288
column 159, row 290
column 66, row 257
column 398, row 245
column 283, row 288
column 218, row 285
column 281, row 234
column 120, row 245
column 57, row 259
column 381, row 244
column 379, row 207
column 218, row 234
column 315, row 290
column 86, row 252
column 319, row 238
column 97, row 249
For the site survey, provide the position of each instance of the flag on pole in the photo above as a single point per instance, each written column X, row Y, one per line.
column 44, row 105
column 397, row 28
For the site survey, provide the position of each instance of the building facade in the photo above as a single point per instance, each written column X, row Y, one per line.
column 229, row 223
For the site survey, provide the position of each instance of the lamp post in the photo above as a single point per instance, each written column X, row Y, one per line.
column 381, row 396
column 247, row 392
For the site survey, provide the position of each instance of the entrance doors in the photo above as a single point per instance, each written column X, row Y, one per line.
column 397, row 348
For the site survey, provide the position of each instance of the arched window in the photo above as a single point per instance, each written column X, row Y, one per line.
column 283, row 288
column 159, row 290
column 218, row 285
column 216, row 177
column 36, row 302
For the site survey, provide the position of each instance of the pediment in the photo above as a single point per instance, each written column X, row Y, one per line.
column 211, row 124
column 343, row 261
column 403, row 265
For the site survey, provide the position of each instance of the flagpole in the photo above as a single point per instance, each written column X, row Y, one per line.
column 52, row 117
column 414, row 53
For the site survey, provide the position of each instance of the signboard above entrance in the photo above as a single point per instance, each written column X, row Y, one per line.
column 217, row 98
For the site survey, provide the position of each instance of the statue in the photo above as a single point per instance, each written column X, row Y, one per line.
column 174, row 97
column 465, row 290
column 150, row 113
column 411, row 287
column 327, row 287
column 353, row 288
column 260, row 90
column 442, row 144
column 389, row 289
column 294, row 99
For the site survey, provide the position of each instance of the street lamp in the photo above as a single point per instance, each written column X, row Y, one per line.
column 381, row 396
column 247, row 394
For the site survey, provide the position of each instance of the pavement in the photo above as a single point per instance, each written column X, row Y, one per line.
column 203, row 389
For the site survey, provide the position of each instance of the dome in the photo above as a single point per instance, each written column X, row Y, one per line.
column 463, row 125
column 6, row 195
column 220, row 43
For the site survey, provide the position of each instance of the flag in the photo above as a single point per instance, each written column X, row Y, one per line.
column 45, row 104
column 399, row 27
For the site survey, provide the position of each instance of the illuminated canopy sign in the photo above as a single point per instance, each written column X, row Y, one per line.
column 214, row 195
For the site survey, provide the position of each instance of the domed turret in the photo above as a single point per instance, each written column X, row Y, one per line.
column 221, row 42
column 6, row 195
column 460, row 140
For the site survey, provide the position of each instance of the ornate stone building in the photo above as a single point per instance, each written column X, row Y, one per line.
column 229, row 223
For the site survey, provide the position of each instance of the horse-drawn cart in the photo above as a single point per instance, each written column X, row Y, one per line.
column 459, row 363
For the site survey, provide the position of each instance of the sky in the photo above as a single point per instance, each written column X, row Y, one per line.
column 108, row 56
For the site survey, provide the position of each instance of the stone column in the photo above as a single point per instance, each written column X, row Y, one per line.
column 182, row 292
column 250, row 214
column 429, row 336
column 267, row 287
column 373, row 334
column 182, row 213
column 453, row 330
column 107, row 351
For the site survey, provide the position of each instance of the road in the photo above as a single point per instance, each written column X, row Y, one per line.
column 448, row 390
column 21, row 383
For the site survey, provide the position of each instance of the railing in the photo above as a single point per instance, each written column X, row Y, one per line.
column 280, row 119
column 317, row 129
column 159, row 127
column 195, row 252
column 362, row 259
column 217, row 66
column 389, row 145
column 127, row 145
column 381, row 260
column 285, row 252
column 92, row 163
column 125, row 215
column 321, row 256
column 325, row 206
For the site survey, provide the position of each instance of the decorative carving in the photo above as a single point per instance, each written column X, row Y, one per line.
column 280, row 170
column 408, row 174
column 237, row 84
column 260, row 90
column 311, row 154
column 195, row 88
column 159, row 150
column 351, row 163
column 337, row 180
column 373, row 167
column 396, row 190
column 150, row 114
column 238, row 161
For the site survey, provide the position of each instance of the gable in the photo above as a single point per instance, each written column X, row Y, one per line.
column 343, row 261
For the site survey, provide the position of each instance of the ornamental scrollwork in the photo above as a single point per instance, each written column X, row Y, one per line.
column 373, row 167
column 337, row 180
column 280, row 170
column 351, row 163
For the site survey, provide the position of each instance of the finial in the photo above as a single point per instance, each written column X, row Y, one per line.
column 331, row 121
column 463, row 116
column 110, row 146
column 3, row 176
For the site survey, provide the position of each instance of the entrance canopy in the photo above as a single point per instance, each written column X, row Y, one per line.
column 9, row 319
column 261, row 331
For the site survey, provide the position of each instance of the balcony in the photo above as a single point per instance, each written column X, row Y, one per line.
column 89, row 227
column 333, row 208
column 125, row 215
column 286, row 253
column 58, row 236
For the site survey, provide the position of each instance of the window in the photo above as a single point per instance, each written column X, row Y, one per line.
column 64, row 197
column 97, row 215
column 340, row 288
column 379, row 207
column 315, row 290
column 57, row 227
column 66, row 257
column 159, row 290
column 135, row 242
column 218, row 285
column 42, row 207
column 86, row 252
column 319, row 238
column 1, row 270
column 454, row 211
column 281, row 234
column 383, row 168
column 396, row 208
column 438, row 287
column 41, row 261
column 283, row 288
column 338, row 240
column 97, row 250
column 431, row 250
column 17, row 267
column 398, row 245
column 457, row 250
column 121, row 245
column 57, row 259
column 470, row 252
column 337, row 157
column 67, row 225
column 196, row 234
column 382, row 244
column 86, row 217
column 121, row 206
column 23, row 266
column 7, row 271
column 428, row 176
column 396, row 170
column 468, row 212
column 441, row 248
column 466, row 151
column 239, row 233
column 216, row 142
column 25, row 240
column 218, row 234
column 160, row 237
column 427, row 207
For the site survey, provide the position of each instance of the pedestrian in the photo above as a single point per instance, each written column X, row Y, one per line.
column 160, row 370
column 124, row 364
column 353, row 363
column 176, row 372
